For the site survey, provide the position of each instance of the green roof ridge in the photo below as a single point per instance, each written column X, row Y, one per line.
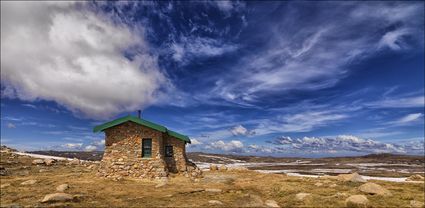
column 143, row 122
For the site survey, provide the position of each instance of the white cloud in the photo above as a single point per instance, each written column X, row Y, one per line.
column 90, row 148
column 195, row 142
column 67, row 54
column 399, row 102
column 341, row 143
column 241, row 130
column 307, row 56
column 191, row 47
column 227, row 7
column 300, row 122
column 232, row 146
column 410, row 118
column 72, row 146
column 11, row 125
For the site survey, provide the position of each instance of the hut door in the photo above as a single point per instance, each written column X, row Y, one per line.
column 147, row 148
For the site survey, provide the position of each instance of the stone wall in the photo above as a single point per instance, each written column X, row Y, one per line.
column 123, row 152
column 177, row 163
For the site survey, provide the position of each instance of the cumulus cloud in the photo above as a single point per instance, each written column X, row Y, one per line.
column 233, row 146
column 240, row 130
column 90, row 148
column 66, row 53
column 342, row 143
column 195, row 142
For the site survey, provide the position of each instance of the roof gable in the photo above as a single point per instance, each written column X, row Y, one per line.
column 142, row 122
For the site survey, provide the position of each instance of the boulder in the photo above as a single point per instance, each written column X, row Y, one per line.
column 372, row 188
column 359, row 201
column 416, row 177
column 255, row 201
column 29, row 182
column 416, row 204
column 74, row 161
column 222, row 168
column 57, row 197
column 271, row 203
column 38, row 162
column 302, row 196
column 215, row 202
column 353, row 177
column 49, row 162
column 3, row 171
column 62, row 187
column 318, row 184
column 215, row 190
column 333, row 185
column 213, row 167
column 237, row 168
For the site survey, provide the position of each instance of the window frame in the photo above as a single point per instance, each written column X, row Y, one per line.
column 144, row 155
column 166, row 153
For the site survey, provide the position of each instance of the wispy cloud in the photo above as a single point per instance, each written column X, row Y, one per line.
column 189, row 48
column 408, row 119
column 307, row 56
column 399, row 102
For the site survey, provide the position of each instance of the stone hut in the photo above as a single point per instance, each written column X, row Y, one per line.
column 135, row 147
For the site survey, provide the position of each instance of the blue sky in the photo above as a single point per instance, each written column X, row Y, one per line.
column 271, row 78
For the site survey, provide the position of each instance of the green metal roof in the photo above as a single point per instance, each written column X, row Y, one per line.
column 143, row 122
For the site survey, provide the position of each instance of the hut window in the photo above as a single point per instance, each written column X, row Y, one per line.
column 147, row 148
column 168, row 151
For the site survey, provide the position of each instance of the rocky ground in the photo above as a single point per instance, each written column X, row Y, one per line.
column 30, row 182
column 382, row 165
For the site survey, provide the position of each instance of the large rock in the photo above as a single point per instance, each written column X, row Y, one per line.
column 416, row 177
column 29, row 182
column 216, row 190
column 301, row 196
column 353, row 177
column 372, row 188
column 57, row 197
column 222, row 168
column 271, row 203
column 3, row 171
column 62, row 187
column 38, row 162
column 215, row 202
column 49, row 162
column 213, row 167
column 359, row 201
column 75, row 161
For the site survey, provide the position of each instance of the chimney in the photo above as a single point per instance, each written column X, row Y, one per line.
column 139, row 113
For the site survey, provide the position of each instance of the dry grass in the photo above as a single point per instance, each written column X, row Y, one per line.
column 239, row 189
